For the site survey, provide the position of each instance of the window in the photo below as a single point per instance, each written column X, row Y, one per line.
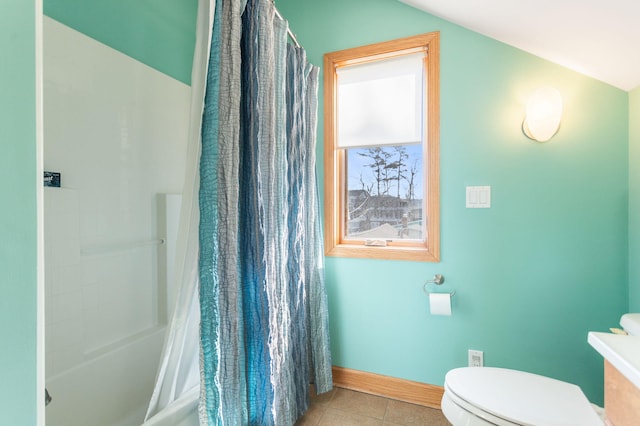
column 382, row 131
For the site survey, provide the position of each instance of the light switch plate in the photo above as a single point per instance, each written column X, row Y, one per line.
column 478, row 197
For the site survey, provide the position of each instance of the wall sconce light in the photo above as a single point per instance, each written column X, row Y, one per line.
column 543, row 114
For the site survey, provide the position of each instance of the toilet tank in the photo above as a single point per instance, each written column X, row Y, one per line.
column 631, row 324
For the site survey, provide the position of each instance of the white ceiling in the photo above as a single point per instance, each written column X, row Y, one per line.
column 598, row 38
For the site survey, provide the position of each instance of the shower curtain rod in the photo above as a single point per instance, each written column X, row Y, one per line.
column 291, row 34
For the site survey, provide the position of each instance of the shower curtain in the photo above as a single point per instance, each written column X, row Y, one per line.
column 262, row 301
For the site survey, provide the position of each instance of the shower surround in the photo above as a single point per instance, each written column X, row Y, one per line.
column 116, row 130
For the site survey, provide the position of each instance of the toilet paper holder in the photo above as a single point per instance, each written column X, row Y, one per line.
column 438, row 279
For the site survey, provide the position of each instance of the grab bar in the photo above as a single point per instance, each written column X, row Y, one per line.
column 91, row 251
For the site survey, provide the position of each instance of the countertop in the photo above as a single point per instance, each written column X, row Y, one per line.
column 623, row 352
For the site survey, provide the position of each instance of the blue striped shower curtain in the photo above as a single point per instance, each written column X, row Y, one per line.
column 264, row 324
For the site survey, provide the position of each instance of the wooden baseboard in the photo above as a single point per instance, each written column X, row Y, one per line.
column 389, row 387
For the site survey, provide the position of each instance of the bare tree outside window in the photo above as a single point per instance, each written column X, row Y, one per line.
column 385, row 195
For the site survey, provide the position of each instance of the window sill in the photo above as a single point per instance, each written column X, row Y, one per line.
column 416, row 254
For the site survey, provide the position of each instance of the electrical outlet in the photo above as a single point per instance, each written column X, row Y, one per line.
column 476, row 358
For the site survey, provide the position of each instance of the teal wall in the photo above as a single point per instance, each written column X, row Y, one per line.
column 634, row 200
column 18, row 244
column 535, row 272
column 158, row 33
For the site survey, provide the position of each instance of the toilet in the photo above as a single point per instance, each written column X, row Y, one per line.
column 475, row 396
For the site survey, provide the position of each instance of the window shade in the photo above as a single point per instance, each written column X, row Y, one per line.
column 380, row 103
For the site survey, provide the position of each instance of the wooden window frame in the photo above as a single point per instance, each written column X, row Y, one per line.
column 334, row 159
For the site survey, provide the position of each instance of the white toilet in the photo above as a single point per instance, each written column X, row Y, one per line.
column 498, row 396
column 476, row 396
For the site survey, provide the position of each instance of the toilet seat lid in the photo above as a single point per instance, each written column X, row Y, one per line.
column 520, row 397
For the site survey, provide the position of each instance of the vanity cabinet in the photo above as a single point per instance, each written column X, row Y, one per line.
column 621, row 376
column 621, row 398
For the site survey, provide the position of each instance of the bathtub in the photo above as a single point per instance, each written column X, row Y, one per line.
column 183, row 412
column 112, row 387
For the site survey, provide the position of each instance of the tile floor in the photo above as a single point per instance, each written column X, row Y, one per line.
column 342, row 407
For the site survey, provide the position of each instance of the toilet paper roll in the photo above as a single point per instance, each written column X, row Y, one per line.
column 440, row 303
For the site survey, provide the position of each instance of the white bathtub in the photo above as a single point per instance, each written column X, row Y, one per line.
column 183, row 412
column 112, row 388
